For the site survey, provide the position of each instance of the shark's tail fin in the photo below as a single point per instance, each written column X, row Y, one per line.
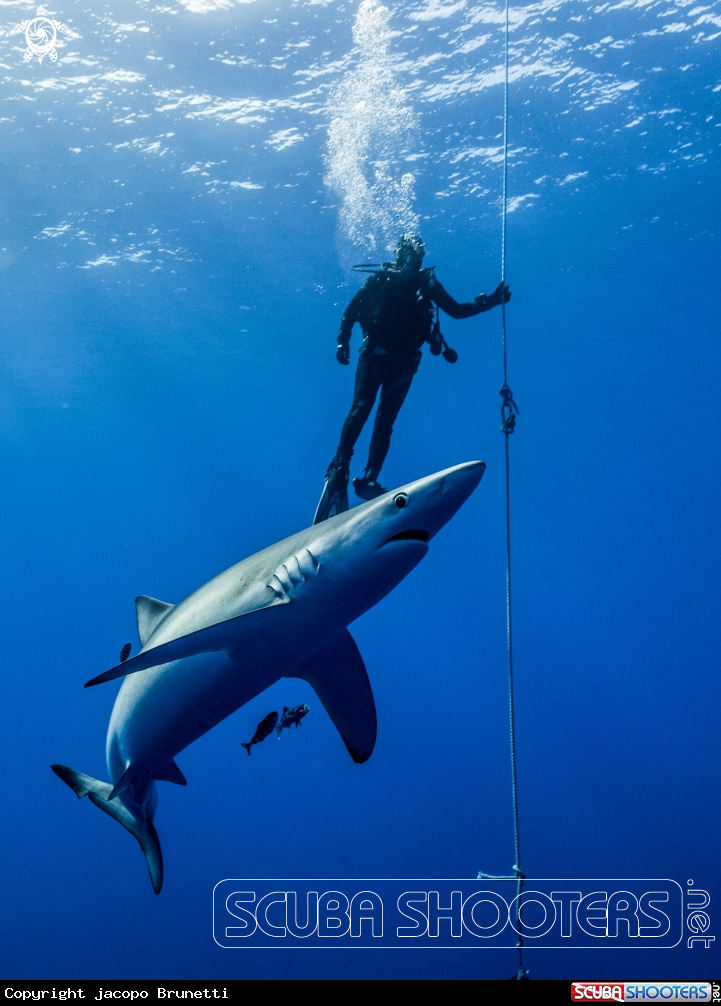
column 246, row 746
column 99, row 793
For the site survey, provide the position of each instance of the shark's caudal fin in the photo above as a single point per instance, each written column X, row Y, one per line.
column 338, row 676
column 246, row 746
column 99, row 793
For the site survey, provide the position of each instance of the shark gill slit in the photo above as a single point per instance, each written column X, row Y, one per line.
column 293, row 572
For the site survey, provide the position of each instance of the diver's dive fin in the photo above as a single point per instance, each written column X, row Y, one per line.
column 216, row 637
column 170, row 773
column 144, row 831
column 149, row 613
column 334, row 498
column 338, row 676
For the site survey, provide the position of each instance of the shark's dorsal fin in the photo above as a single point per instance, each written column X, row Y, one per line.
column 149, row 612
column 338, row 676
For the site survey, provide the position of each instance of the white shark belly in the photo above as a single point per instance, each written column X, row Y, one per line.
column 159, row 713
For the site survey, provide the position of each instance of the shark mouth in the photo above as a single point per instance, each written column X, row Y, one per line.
column 413, row 535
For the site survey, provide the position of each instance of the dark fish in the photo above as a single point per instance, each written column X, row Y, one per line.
column 125, row 652
column 265, row 727
column 291, row 716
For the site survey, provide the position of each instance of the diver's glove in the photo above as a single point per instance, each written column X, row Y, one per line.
column 342, row 353
column 501, row 295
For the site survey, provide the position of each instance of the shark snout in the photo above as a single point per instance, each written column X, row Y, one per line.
column 432, row 501
column 414, row 513
column 398, row 525
column 461, row 480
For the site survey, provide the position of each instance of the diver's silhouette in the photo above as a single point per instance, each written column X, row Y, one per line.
column 395, row 310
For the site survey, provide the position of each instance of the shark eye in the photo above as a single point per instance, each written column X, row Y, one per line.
column 401, row 500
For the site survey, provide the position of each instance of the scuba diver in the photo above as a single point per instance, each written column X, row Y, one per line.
column 395, row 309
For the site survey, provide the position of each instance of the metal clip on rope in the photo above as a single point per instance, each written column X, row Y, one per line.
column 509, row 410
column 517, row 875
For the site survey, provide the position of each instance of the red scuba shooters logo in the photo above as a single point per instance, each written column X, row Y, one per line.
column 589, row 991
column 641, row 991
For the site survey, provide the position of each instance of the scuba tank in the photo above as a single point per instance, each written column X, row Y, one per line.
column 438, row 344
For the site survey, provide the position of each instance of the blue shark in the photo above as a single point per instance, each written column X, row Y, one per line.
column 283, row 612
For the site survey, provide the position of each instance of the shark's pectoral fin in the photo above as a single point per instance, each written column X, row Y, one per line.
column 338, row 676
column 100, row 794
column 149, row 612
column 170, row 773
column 259, row 626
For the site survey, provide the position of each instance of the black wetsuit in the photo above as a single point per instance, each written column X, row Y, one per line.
column 395, row 311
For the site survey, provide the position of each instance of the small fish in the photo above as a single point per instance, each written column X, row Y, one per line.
column 291, row 716
column 265, row 727
column 125, row 652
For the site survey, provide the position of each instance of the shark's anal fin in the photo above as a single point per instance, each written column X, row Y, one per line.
column 99, row 793
column 124, row 782
column 166, row 773
column 149, row 613
column 251, row 625
column 338, row 676
column 170, row 773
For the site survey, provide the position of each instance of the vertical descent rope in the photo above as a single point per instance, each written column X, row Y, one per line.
column 509, row 411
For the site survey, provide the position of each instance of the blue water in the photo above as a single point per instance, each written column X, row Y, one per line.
column 173, row 268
